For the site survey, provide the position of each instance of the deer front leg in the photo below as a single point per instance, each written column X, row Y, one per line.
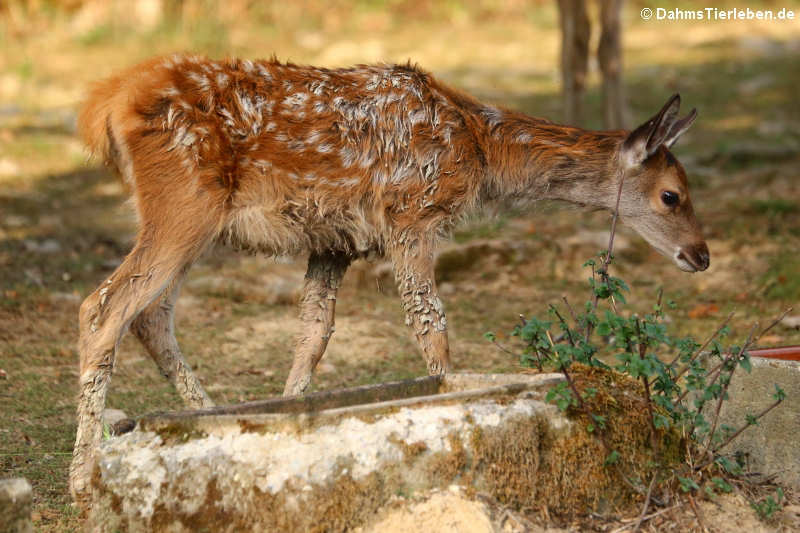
column 155, row 329
column 414, row 272
column 317, row 309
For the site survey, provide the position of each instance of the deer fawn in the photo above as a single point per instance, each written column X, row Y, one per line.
column 284, row 159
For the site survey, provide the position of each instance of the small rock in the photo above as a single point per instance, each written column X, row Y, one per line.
column 791, row 322
column 125, row 425
column 112, row 416
column 48, row 246
column 16, row 221
column 117, row 421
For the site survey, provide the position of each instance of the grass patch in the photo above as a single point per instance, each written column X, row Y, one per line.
column 781, row 281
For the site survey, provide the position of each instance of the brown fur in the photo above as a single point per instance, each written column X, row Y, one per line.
column 282, row 159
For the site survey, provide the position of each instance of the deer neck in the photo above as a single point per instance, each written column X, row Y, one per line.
column 533, row 159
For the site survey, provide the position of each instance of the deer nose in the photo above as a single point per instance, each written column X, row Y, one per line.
column 705, row 258
column 696, row 255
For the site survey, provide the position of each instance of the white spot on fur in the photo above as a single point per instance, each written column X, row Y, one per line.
column 373, row 82
column 264, row 72
column 417, row 116
column 523, row 137
column 318, row 87
column 313, row 137
column 263, row 165
column 348, row 156
column 492, row 115
column 296, row 99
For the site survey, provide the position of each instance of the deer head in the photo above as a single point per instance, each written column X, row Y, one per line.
column 655, row 199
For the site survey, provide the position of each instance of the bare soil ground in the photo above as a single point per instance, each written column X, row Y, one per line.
column 65, row 225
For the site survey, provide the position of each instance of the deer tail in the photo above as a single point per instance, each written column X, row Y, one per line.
column 100, row 114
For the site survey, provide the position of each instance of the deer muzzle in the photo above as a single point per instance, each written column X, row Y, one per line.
column 693, row 258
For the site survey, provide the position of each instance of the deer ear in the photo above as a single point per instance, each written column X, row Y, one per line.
column 645, row 140
column 679, row 127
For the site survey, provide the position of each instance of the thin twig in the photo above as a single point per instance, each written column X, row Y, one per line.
column 726, row 385
column 773, row 324
column 647, row 397
column 703, row 347
column 603, row 270
column 503, row 348
column 646, row 503
column 738, row 432
column 646, row 518
column 697, row 514
column 710, row 372
column 571, row 311
column 564, row 324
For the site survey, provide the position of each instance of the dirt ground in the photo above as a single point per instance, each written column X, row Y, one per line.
column 65, row 224
column 451, row 511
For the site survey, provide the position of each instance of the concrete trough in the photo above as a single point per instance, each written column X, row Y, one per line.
column 771, row 447
column 322, row 462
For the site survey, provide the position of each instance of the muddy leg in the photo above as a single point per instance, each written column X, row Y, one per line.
column 609, row 54
column 104, row 316
column 155, row 329
column 575, row 33
column 414, row 272
column 317, row 308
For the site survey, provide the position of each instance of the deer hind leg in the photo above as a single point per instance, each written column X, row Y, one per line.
column 317, row 308
column 413, row 263
column 609, row 54
column 105, row 315
column 575, row 33
column 155, row 329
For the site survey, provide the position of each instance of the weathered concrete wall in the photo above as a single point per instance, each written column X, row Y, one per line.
column 16, row 501
column 771, row 447
column 329, row 470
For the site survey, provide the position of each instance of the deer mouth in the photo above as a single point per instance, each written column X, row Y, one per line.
column 692, row 258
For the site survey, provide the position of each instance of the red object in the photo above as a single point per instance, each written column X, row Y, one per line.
column 786, row 353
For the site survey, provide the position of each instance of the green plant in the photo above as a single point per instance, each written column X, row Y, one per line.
column 767, row 507
column 684, row 383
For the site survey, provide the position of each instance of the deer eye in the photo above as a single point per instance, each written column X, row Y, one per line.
column 670, row 198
